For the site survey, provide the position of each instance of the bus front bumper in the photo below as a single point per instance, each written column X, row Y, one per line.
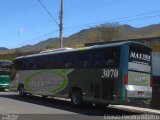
column 4, row 87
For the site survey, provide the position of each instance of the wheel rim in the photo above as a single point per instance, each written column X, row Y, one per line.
column 21, row 91
column 76, row 99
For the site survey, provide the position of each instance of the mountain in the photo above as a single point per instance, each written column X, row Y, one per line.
column 39, row 46
column 3, row 50
column 130, row 32
column 88, row 35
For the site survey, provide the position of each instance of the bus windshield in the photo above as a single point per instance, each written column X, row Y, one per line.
column 5, row 67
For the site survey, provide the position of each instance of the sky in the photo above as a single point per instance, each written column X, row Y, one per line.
column 26, row 22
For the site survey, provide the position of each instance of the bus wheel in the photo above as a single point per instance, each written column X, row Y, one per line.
column 76, row 97
column 21, row 91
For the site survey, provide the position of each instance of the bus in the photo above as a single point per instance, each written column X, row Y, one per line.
column 115, row 73
column 5, row 75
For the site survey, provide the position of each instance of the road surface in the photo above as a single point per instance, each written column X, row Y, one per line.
column 14, row 107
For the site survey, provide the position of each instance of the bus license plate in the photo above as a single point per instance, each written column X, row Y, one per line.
column 140, row 93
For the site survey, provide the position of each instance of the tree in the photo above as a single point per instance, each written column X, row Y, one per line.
column 109, row 31
column 93, row 36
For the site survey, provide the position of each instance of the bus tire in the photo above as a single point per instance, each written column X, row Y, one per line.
column 76, row 97
column 21, row 91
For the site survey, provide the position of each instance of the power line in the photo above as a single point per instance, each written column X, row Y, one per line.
column 41, row 36
column 16, row 13
column 87, row 25
column 113, row 20
column 15, row 7
column 93, row 24
column 118, row 20
column 74, row 7
column 73, row 12
column 154, row 16
column 132, row 16
column 48, row 12
column 88, row 4
column 61, row 21
column 137, row 15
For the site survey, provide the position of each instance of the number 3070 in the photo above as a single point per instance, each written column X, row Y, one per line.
column 109, row 73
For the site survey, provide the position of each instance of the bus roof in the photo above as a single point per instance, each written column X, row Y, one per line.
column 81, row 49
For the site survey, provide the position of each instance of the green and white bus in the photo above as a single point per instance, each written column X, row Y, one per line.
column 102, row 74
column 5, row 74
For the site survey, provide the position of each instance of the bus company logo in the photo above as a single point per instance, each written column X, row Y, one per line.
column 140, row 56
column 53, row 81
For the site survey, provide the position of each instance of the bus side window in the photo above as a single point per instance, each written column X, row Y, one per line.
column 90, row 60
column 81, row 61
column 100, row 58
column 85, row 60
column 97, row 60
column 112, row 57
column 53, row 63
column 75, row 60
column 68, row 60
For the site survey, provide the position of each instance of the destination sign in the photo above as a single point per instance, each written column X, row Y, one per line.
column 139, row 57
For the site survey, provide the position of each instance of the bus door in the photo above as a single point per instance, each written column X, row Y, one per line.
column 108, row 88
column 110, row 74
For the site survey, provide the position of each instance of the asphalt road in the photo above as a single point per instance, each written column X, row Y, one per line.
column 36, row 108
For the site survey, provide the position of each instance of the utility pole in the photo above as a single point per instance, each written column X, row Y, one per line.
column 61, row 25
